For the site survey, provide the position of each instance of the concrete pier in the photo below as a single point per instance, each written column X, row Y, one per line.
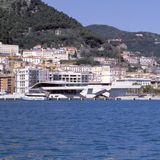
column 132, row 98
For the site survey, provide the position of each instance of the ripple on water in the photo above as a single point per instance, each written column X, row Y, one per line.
column 79, row 130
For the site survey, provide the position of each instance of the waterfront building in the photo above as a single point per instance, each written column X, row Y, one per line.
column 27, row 77
column 69, row 76
column 5, row 83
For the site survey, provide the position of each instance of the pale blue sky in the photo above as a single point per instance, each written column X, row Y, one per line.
column 126, row 15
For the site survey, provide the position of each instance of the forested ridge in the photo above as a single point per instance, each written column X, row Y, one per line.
column 28, row 23
column 146, row 47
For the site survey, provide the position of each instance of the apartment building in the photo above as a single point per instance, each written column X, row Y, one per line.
column 5, row 48
column 5, row 83
column 145, row 61
column 25, row 78
column 69, row 76
column 33, row 55
column 111, row 61
column 133, row 60
column 4, row 59
column 139, row 81
column 101, row 73
column 70, row 50
column 37, row 53
column 2, row 67
column 115, row 72
column 77, row 68
column 100, row 59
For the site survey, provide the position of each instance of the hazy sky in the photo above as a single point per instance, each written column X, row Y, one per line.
column 126, row 15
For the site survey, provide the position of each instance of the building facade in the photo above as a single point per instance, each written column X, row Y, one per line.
column 145, row 61
column 5, row 48
column 25, row 78
column 5, row 83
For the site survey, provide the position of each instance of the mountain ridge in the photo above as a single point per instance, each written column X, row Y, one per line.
column 147, row 48
column 25, row 24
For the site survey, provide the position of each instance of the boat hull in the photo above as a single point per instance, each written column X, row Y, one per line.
column 35, row 98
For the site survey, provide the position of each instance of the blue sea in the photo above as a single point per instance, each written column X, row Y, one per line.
column 52, row 130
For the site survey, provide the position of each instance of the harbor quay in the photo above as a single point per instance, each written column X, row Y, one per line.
column 147, row 97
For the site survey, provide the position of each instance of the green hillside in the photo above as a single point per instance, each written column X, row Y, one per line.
column 147, row 48
column 28, row 23
column 5, row 3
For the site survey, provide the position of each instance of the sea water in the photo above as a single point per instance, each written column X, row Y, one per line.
column 79, row 130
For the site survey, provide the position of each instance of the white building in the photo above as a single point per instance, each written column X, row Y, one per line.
column 115, row 72
column 2, row 68
column 99, row 59
column 101, row 73
column 69, row 77
column 4, row 60
column 48, row 54
column 27, row 77
column 139, row 81
column 61, row 54
column 37, row 53
column 5, row 48
column 76, row 68
column 145, row 61
column 123, row 46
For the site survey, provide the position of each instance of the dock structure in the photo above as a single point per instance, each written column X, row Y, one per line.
column 130, row 98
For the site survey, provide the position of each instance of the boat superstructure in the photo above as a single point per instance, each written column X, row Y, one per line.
column 62, row 89
column 36, row 96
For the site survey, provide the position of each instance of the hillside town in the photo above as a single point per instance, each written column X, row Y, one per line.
column 20, row 71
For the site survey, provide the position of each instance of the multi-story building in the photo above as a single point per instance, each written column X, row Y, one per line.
column 145, row 61
column 77, row 68
column 96, row 70
column 2, row 66
column 70, row 50
column 30, row 55
column 38, row 53
column 4, row 58
column 101, row 73
column 5, row 83
column 139, row 81
column 110, row 61
column 69, row 77
column 133, row 60
column 115, row 72
column 5, row 48
column 27, row 77
column 99, row 59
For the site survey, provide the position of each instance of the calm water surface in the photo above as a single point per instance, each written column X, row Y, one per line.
column 79, row 130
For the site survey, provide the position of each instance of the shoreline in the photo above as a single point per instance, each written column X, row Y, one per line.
column 18, row 97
